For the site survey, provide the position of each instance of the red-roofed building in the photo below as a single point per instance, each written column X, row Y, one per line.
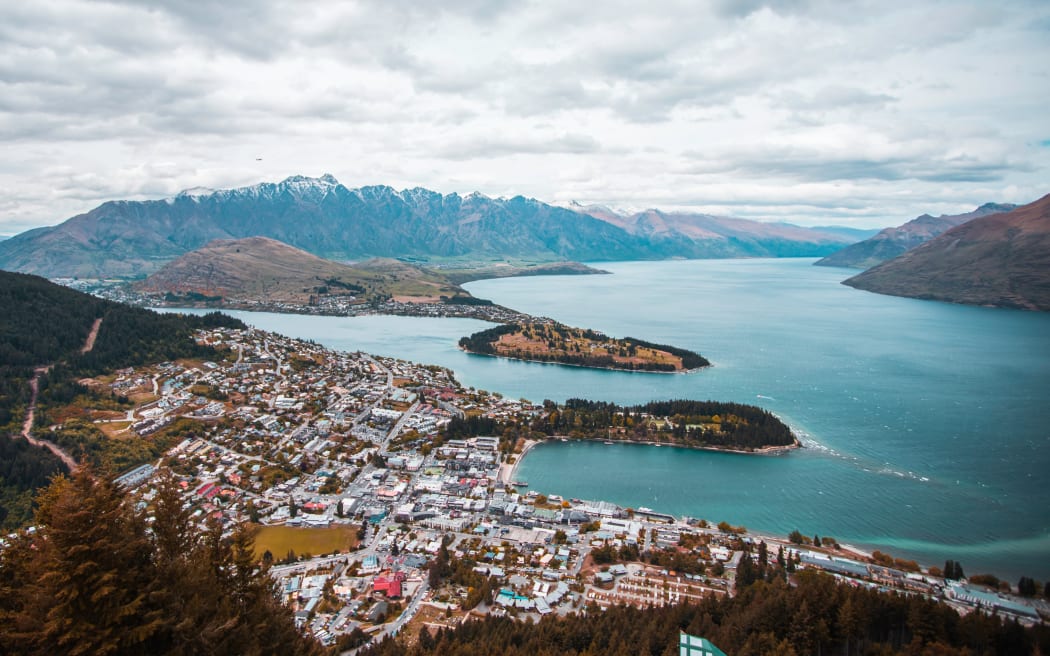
column 389, row 584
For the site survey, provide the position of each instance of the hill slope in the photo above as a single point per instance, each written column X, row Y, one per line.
column 892, row 242
column 327, row 219
column 46, row 324
column 265, row 269
column 1001, row 260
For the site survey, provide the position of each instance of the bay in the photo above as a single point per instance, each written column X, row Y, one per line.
column 926, row 425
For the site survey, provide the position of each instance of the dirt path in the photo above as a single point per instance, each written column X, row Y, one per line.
column 89, row 343
column 34, row 386
column 27, row 426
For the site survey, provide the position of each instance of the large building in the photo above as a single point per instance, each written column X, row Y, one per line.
column 689, row 645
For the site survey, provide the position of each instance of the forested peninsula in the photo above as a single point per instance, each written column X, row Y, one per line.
column 561, row 344
column 695, row 424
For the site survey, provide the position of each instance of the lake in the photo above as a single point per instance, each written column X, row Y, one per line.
column 927, row 425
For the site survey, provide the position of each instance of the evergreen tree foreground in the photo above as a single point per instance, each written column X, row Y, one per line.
column 99, row 576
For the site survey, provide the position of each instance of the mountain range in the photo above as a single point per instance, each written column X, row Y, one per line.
column 323, row 217
column 1001, row 260
column 891, row 242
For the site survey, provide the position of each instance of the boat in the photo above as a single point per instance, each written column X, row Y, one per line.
column 645, row 510
column 608, row 442
column 519, row 483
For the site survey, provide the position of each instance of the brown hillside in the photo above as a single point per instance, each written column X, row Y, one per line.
column 1001, row 260
column 258, row 268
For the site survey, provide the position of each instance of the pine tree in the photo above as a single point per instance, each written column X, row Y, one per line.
column 93, row 568
column 96, row 578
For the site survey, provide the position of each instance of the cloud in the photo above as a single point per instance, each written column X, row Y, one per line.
column 808, row 109
column 503, row 146
column 813, row 165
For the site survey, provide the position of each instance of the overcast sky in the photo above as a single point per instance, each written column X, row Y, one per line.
column 837, row 112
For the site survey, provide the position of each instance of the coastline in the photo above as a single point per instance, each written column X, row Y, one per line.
column 507, row 472
column 763, row 451
column 491, row 313
column 585, row 366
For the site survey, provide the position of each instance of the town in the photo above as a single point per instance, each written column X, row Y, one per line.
column 338, row 306
column 375, row 521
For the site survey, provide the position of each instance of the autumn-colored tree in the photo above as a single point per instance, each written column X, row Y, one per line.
column 97, row 577
column 89, row 564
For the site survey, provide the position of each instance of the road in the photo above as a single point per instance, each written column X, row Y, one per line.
column 34, row 387
column 401, row 423
column 27, row 425
column 404, row 618
column 284, row 570
column 389, row 374
column 364, row 414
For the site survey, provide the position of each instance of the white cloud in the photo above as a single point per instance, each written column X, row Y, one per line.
column 819, row 112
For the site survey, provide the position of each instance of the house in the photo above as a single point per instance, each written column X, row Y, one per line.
column 389, row 585
column 377, row 613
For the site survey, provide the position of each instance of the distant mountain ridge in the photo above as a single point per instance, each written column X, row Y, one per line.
column 329, row 220
column 891, row 242
column 722, row 236
column 1000, row 260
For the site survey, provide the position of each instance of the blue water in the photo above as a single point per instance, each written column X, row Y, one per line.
column 927, row 424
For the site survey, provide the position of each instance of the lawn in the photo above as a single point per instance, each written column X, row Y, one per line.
column 315, row 541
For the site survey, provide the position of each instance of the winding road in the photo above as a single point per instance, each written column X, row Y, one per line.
column 34, row 386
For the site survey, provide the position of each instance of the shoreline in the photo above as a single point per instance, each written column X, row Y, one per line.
column 408, row 309
column 762, row 451
column 586, row 366
column 507, row 476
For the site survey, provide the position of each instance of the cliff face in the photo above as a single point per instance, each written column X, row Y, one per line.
column 1001, row 260
column 893, row 242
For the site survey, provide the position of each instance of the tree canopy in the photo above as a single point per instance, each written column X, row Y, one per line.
column 817, row 615
column 99, row 576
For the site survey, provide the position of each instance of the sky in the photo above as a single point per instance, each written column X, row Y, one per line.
column 819, row 113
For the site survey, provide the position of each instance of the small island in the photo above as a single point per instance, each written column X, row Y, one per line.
column 561, row 344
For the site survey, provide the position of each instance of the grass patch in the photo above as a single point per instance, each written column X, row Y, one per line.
column 115, row 430
column 279, row 540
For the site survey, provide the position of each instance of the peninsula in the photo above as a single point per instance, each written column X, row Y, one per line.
column 714, row 425
column 554, row 342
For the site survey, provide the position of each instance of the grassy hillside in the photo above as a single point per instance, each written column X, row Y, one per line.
column 262, row 269
column 1002, row 260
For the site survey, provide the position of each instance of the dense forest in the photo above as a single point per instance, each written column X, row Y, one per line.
column 554, row 342
column 706, row 424
column 47, row 324
column 102, row 577
column 816, row 616
column 24, row 468
column 687, row 423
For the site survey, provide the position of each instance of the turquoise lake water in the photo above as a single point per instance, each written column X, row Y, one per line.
column 927, row 425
